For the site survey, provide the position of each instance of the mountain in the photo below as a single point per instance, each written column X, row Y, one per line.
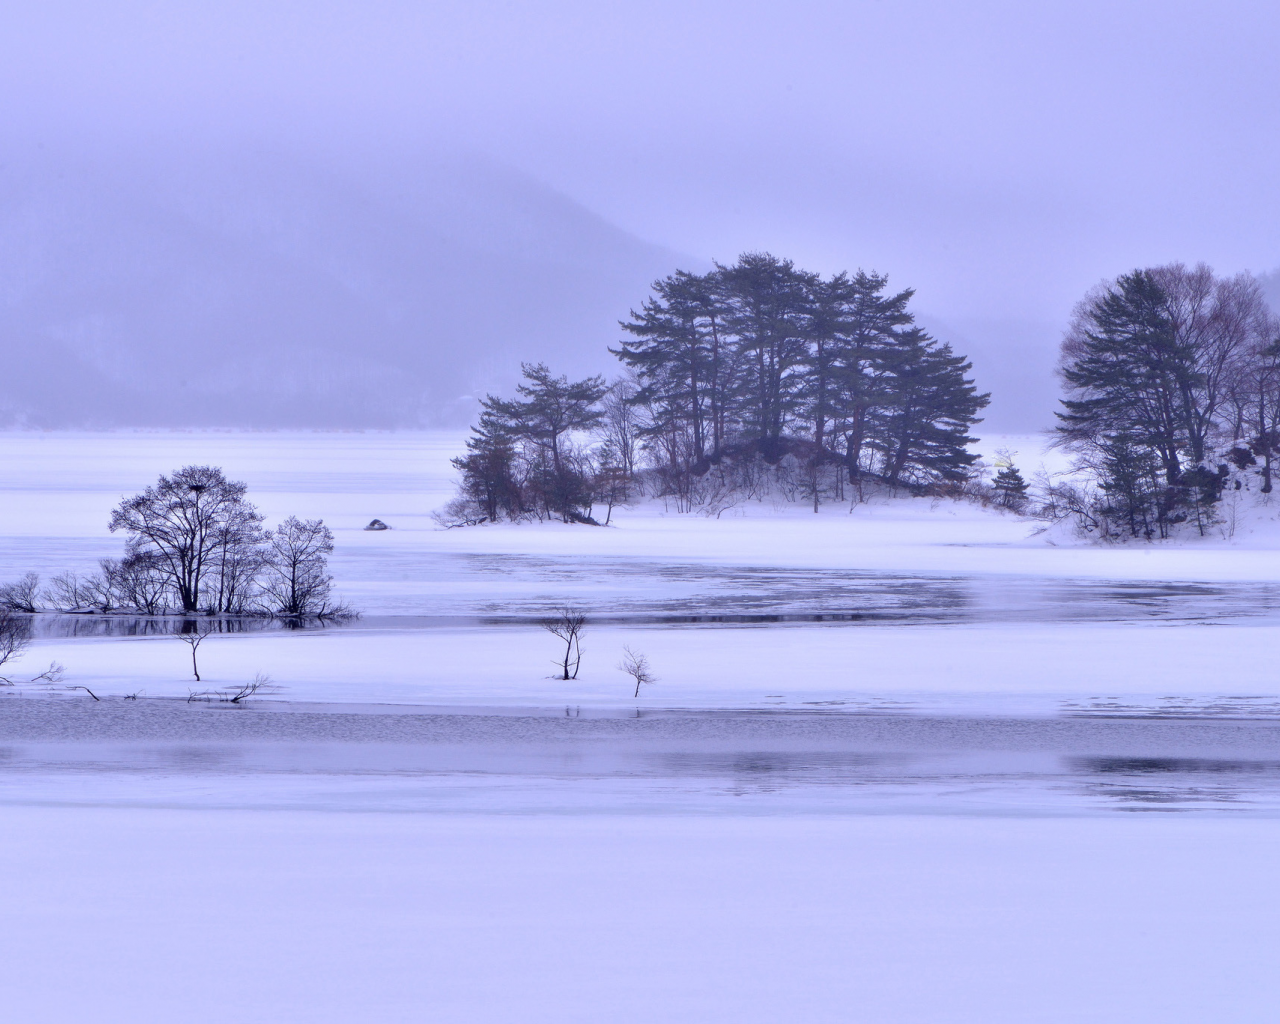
column 1013, row 360
column 256, row 290
column 1270, row 284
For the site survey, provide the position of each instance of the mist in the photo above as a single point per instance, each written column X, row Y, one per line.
column 249, row 289
column 342, row 215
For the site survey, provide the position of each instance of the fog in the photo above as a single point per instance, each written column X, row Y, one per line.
column 341, row 214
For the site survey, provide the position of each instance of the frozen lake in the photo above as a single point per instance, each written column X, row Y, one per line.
column 173, row 753
column 907, row 762
column 893, row 605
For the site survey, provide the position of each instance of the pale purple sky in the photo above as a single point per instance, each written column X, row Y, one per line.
column 999, row 157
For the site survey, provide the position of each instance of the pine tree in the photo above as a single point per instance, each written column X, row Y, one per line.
column 863, row 335
column 1129, row 375
column 488, row 471
column 1011, row 489
column 679, row 354
column 928, row 409
column 769, row 310
column 1131, row 480
column 552, row 409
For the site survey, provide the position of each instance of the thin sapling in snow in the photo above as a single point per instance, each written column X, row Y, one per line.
column 636, row 665
column 568, row 625
column 193, row 634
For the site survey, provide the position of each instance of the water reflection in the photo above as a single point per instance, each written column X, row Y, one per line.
column 767, row 763
column 57, row 626
column 511, row 589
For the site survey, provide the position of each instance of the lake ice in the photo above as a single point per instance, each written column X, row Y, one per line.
column 903, row 763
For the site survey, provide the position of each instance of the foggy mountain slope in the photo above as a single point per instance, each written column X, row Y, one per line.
column 265, row 293
column 1270, row 284
column 1013, row 360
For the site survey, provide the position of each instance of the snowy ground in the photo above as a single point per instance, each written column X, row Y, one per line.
column 908, row 762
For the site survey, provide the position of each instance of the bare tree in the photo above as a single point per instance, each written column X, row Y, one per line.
column 15, row 637
column 568, row 625
column 611, row 482
column 194, row 632
column 96, row 590
column 236, row 564
column 623, row 422
column 296, row 580
column 21, row 595
column 1214, row 319
column 186, row 522
column 1255, row 396
column 1066, row 500
column 66, row 591
column 138, row 581
column 636, row 665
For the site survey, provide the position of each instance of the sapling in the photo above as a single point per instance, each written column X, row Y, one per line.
column 568, row 625
column 193, row 633
column 636, row 665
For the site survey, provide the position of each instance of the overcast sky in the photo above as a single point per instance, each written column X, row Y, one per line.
column 999, row 157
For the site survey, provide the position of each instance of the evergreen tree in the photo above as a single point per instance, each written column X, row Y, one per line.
column 1127, row 373
column 552, row 409
column 769, row 310
column 1130, row 477
column 678, row 354
column 758, row 360
column 1010, row 488
column 929, row 406
column 755, row 356
column 488, row 471
column 863, row 335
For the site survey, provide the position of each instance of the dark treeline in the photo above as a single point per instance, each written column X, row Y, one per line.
column 753, row 375
column 1172, row 379
column 763, row 357
column 195, row 544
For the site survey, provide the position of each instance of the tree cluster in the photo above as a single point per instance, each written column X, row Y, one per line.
column 196, row 544
column 1172, row 380
column 763, row 358
column 524, row 457
column 751, row 371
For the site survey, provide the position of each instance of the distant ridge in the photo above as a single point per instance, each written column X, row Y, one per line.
column 255, row 290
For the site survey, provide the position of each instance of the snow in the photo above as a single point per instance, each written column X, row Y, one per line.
column 130, row 915
column 910, row 761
